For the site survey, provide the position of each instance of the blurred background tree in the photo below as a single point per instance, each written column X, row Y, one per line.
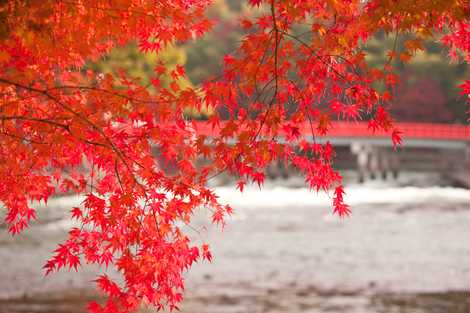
column 140, row 65
column 202, row 59
column 427, row 92
column 205, row 56
column 428, row 89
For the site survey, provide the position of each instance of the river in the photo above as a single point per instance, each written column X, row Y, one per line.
column 405, row 249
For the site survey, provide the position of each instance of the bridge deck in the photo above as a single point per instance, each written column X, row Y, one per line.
column 423, row 131
column 430, row 135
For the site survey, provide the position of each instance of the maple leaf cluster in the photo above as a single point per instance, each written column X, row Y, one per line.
column 66, row 129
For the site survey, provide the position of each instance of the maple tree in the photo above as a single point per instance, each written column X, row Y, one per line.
column 68, row 129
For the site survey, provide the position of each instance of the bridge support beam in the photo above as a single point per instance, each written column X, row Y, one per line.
column 467, row 153
column 273, row 170
column 279, row 169
column 384, row 163
column 374, row 162
column 394, row 163
column 362, row 157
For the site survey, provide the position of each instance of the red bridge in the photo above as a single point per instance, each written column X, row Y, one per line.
column 423, row 131
column 440, row 148
column 449, row 135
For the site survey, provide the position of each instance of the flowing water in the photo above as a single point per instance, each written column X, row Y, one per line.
column 404, row 250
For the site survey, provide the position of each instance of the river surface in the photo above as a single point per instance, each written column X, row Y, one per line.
column 405, row 249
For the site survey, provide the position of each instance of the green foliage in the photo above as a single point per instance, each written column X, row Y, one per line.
column 430, row 63
column 223, row 39
column 140, row 65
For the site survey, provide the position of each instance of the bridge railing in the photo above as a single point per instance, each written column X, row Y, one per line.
column 425, row 131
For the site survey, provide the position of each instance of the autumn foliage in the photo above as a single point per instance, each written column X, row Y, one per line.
column 67, row 129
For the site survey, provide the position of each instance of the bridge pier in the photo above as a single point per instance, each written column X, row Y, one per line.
column 272, row 170
column 278, row 169
column 362, row 160
column 384, row 163
column 374, row 162
column 467, row 153
column 394, row 162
